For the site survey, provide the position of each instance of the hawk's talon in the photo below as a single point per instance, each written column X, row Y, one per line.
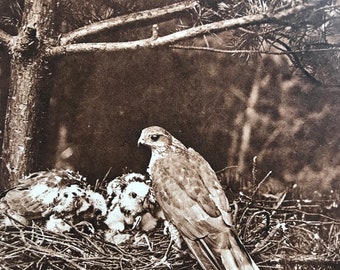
column 164, row 262
column 143, row 236
column 137, row 221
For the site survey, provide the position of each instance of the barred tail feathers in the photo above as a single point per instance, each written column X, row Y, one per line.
column 204, row 256
column 232, row 252
column 221, row 251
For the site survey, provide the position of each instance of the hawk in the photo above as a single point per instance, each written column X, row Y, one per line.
column 188, row 191
column 53, row 198
column 128, row 201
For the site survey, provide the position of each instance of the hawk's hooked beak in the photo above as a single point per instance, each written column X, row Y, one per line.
column 140, row 141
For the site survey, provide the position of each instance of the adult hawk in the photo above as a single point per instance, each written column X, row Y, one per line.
column 188, row 191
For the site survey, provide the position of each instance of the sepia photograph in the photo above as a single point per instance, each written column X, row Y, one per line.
column 196, row 134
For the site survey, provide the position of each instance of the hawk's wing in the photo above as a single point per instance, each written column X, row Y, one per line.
column 31, row 201
column 211, row 182
column 36, row 194
column 194, row 204
column 185, row 199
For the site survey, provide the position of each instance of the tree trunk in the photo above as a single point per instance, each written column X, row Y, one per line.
column 21, row 118
column 26, row 99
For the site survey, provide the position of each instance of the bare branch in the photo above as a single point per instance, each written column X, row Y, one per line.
column 185, row 34
column 227, row 51
column 97, row 27
column 5, row 39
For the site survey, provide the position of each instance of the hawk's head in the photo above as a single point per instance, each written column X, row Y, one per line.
column 155, row 137
column 134, row 198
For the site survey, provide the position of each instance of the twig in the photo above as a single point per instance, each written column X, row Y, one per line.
column 5, row 39
column 264, row 242
column 226, row 168
column 332, row 48
column 254, row 171
column 99, row 183
column 259, row 185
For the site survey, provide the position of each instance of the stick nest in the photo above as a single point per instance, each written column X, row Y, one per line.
column 293, row 233
column 35, row 248
column 279, row 234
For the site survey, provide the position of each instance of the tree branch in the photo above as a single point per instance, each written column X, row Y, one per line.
column 97, row 27
column 332, row 48
column 5, row 39
column 185, row 34
column 294, row 58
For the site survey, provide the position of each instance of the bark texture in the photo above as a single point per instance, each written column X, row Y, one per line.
column 24, row 108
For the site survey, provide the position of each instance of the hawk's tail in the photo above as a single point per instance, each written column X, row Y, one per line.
column 221, row 251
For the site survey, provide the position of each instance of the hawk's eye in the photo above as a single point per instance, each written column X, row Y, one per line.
column 98, row 212
column 155, row 137
column 133, row 194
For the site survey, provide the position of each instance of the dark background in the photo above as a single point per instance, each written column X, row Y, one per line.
column 100, row 103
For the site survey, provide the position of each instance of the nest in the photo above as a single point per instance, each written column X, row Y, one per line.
column 278, row 235
column 35, row 248
column 291, row 234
